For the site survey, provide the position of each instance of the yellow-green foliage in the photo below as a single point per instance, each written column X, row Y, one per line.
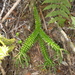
column 7, row 41
column 6, row 46
column 59, row 10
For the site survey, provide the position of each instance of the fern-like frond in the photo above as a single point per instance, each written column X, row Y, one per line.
column 53, row 6
column 56, row 13
column 52, row 1
column 48, row 61
column 48, row 40
column 46, row 1
column 71, row 0
column 38, row 34
column 22, row 56
column 60, row 20
column 23, row 59
column 62, row 7
column 37, row 19
column 53, row 45
column 66, row 3
column 29, row 41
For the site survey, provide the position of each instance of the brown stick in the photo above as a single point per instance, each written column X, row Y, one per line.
column 9, row 12
column 2, row 70
column 70, row 45
column 59, row 35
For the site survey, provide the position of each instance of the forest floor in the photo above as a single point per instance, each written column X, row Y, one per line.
column 21, row 21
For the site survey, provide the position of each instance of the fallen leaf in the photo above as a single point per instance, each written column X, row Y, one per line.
column 28, row 73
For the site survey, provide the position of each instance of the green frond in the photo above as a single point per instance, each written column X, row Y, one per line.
column 53, row 13
column 53, row 45
column 37, row 19
column 57, row 13
column 52, row 21
column 48, row 40
column 65, row 9
column 29, row 41
column 60, row 20
column 66, row 3
column 38, row 34
column 60, row 7
column 52, row 1
column 47, row 1
column 48, row 61
column 71, row 0
column 64, row 14
column 53, row 6
column 23, row 59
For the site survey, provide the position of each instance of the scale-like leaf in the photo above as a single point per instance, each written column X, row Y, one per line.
column 22, row 56
column 29, row 41
column 53, row 45
column 48, row 40
column 38, row 34
column 48, row 61
column 37, row 19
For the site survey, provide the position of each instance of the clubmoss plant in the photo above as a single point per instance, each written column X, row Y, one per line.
column 38, row 35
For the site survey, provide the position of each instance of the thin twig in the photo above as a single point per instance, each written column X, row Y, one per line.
column 45, row 26
column 67, row 40
column 3, row 9
column 2, row 70
column 9, row 12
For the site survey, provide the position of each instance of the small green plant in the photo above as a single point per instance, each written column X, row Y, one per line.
column 38, row 35
column 17, row 34
column 59, row 11
column 6, row 46
column 73, row 21
column 19, row 41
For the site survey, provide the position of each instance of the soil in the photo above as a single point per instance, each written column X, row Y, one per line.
column 21, row 21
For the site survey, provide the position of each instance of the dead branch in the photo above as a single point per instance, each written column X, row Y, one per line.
column 2, row 70
column 61, row 36
column 9, row 12
column 45, row 26
column 3, row 9
column 67, row 40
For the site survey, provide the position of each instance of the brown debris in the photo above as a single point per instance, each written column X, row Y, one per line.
column 21, row 20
